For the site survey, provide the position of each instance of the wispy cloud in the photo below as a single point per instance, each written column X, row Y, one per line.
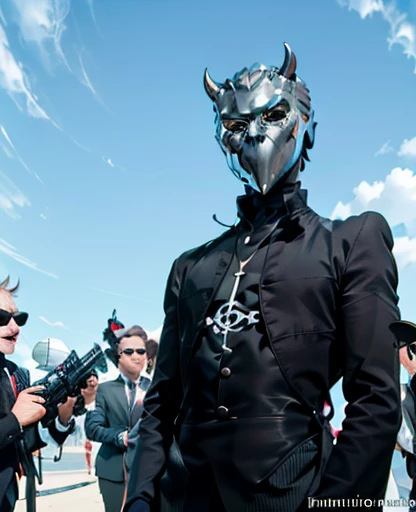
column 11, row 197
column 110, row 162
column 91, row 6
column 2, row 18
column 395, row 198
column 14, row 153
column 11, row 251
column 402, row 30
column 385, row 148
column 115, row 294
column 15, row 82
column 87, row 81
column 53, row 324
column 408, row 148
column 121, row 295
column 43, row 22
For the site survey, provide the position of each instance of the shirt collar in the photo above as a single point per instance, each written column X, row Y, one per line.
column 127, row 380
column 259, row 209
column 143, row 375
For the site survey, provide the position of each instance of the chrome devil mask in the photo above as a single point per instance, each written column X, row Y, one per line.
column 264, row 122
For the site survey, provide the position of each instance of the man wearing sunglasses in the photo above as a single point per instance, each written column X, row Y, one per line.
column 118, row 409
column 20, row 410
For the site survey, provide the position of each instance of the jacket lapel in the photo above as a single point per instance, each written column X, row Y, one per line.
column 121, row 398
column 200, row 304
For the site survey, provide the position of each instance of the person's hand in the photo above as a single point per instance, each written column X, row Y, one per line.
column 126, row 437
column 90, row 390
column 409, row 364
column 28, row 408
column 66, row 409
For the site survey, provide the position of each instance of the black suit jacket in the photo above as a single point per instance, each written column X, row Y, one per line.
column 104, row 424
column 16, row 447
column 328, row 295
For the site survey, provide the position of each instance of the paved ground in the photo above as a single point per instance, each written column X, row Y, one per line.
column 86, row 498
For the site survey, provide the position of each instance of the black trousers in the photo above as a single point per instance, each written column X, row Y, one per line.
column 9, row 500
column 285, row 490
column 112, row 493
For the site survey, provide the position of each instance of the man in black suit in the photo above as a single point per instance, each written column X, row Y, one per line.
column 118, row 408
column 261, row 323
column 20, row 410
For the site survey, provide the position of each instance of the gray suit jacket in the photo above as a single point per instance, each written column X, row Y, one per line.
column 106, row 422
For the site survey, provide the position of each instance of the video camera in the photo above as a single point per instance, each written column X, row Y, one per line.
column 67, row 379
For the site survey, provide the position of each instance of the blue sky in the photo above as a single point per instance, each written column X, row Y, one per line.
column 108, row 164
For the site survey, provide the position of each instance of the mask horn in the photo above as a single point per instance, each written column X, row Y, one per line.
column 289, row 65
column 210, row 86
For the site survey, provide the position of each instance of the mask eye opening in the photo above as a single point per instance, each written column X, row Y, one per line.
column 277, row 113
column 235, row 125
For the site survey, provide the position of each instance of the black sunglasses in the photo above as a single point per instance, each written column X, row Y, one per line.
column 19, row 317
column 131, row 351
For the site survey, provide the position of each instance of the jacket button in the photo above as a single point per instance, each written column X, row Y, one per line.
column 10, row 436
column 225, row 372
column 222, row 412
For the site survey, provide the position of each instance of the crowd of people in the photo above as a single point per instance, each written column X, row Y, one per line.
column 107, row 413
column 260, row 324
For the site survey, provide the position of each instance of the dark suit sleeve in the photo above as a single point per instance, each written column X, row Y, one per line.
column 96, row 423
column 35, row 441
column 60, row 437
column 360, row 461
column 161, row 405
column 9, row 430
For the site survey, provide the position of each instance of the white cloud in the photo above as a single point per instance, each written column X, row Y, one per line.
column 15, row 82
column 402, row 31
column 115, row 293
column 14, row 153
column 43, row 216
column 10, row 251
column 385, row 148
column 408, row 148
column 395, row 198
column 7, row 151
column 109, row 162
column 43, row 22
column 405, row 251
column 53, row 324
column 87, row 81
column 2, row 18
column 11, row 197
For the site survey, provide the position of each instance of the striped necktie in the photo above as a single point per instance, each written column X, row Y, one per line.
column 132, row 394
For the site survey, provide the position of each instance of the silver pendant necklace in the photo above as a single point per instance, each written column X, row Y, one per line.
column 232, row 316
